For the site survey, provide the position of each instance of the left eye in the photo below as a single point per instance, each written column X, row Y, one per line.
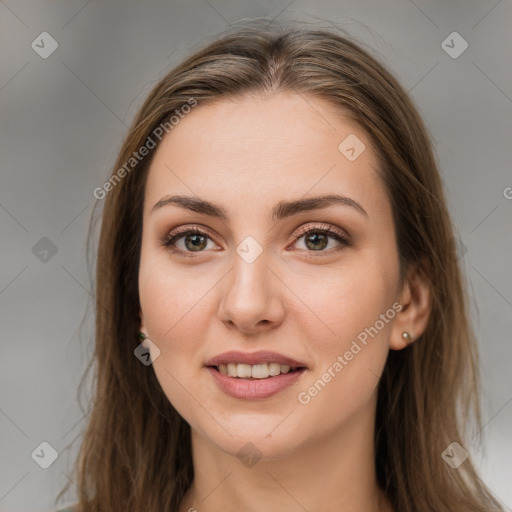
column 317, row 239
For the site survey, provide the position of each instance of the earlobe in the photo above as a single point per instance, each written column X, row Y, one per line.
column 403, row 341
column 399, row 341
column 411, row 321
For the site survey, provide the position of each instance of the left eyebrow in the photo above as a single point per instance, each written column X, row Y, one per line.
column 281, row 210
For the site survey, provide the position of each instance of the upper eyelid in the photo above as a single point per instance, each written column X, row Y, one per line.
column 183, row 230
column 302, row 230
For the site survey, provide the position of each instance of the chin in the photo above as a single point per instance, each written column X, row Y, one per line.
column 250, row 442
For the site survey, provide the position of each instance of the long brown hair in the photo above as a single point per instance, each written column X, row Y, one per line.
column 136, row 452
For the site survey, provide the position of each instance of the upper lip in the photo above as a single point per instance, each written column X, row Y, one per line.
column 263, row 356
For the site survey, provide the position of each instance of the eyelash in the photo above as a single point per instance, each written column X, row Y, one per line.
column 173, row 237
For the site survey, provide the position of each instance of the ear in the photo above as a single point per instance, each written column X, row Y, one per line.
column 415, row 301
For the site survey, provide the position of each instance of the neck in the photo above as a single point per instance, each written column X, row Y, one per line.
column 336, row 472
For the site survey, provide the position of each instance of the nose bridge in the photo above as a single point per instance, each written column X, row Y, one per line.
column 250, row 270
column 249, row 296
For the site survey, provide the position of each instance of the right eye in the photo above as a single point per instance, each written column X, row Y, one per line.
column 194, row 240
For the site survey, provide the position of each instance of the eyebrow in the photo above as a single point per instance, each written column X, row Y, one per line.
column 281, row 210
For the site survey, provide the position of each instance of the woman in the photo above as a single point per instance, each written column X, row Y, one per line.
column 281, row 320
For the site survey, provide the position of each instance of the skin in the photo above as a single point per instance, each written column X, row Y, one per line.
column 248, row 155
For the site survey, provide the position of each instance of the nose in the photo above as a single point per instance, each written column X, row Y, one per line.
column 253, row 297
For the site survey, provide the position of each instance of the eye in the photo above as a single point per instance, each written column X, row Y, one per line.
column 194, row 240
column 316, row 238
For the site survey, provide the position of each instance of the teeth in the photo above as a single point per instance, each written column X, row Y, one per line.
column 256, row 371
column 243, row 370
column 274, row 369
column 259, row 371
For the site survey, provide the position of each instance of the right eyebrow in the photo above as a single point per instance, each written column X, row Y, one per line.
column 281, row 210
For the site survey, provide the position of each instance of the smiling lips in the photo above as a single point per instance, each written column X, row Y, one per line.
column 257, row 365
column 254, row 375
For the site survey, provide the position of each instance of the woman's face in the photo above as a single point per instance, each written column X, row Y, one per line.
column 258, row 281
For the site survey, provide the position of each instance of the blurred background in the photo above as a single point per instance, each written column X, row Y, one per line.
column 72, row 75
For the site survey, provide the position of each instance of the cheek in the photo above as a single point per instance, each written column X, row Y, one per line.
column 346, row 299
column 346, row 375
column 174, row 317
column 173, row 301
column 355, row 304
column 173, row 298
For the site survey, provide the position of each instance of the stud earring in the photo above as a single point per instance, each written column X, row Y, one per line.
column 406, row 336
column 142, row 336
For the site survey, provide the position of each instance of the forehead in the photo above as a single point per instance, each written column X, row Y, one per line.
column 260, row 149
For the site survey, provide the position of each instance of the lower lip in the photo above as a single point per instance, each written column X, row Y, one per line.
column 257, row 388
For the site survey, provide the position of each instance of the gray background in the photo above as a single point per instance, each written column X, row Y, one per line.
column 63, row 119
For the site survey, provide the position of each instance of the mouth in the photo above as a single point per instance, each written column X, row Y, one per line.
column 254, row 375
